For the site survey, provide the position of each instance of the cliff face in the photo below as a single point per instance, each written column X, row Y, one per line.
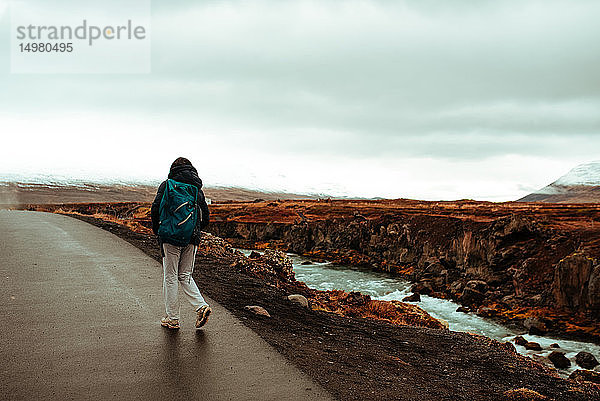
column 442, row 254
column 512, row 265
column 576, row 284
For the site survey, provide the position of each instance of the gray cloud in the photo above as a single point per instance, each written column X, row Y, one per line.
column 423, row 79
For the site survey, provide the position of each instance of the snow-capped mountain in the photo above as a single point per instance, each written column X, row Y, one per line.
column 587, row 174
column 47, row 189
column 580, row 185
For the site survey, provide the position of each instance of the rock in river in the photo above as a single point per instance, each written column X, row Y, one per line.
column 532, row 346
column 415, row 297
column 422, row 287
column 474, row 292
column 559, row 360
column 519, row 340
column 535, row 326
column 586, row 360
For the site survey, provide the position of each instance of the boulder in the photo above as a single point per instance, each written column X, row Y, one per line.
column 415, row 297
column 435, row 269
column 456, row 287
column 477, row 285
column 471, row 296
column 523, row 394
column 586, row 360
column 356, row 298
column 535, row 326
column 254, row 255
column 585, row 376
column 462, row 309
column 533, row 346
column 422, row 287
column 559, row 360
column 300, row 300
column 519, row 340
column 554, row 345
column 257, row 310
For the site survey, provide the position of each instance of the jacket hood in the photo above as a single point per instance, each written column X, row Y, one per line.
column 186, row 173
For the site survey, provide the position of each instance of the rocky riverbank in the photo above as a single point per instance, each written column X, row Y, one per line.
column 531, row 264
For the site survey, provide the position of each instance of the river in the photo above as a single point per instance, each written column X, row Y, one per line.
column 383, row 286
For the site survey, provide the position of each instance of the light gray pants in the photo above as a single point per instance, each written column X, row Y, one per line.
column 178, row 265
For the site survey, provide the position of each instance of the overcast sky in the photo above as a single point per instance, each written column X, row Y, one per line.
column 423, row 99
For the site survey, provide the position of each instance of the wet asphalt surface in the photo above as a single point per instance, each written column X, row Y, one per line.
column 81, row 311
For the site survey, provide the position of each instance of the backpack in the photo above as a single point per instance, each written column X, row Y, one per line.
column 178, row 213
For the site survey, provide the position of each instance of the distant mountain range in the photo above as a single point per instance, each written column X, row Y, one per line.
column 18, row 193
column 580, row 185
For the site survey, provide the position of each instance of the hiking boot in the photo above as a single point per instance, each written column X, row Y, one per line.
column 203, row 314
column 169, row 323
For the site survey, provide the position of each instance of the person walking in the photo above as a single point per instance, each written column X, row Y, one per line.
column 179, row 212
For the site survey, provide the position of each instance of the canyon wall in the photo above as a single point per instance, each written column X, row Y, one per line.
column 492, row 266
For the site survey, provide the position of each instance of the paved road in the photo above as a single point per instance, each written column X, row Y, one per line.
column 81, row 309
